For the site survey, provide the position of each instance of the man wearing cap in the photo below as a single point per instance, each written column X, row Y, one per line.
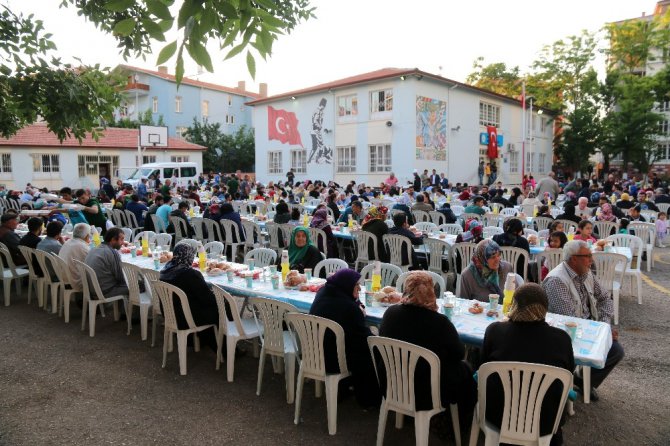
column 11, row 239
column 573, row 290
column 625, row 202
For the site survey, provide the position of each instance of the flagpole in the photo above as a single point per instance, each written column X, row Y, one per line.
column 530, row 138
column 523, row 129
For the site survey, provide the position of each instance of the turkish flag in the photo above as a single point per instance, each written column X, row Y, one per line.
column 283, row 126
column 493, row 141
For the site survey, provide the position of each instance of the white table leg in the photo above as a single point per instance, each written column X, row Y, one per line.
column 586, row 380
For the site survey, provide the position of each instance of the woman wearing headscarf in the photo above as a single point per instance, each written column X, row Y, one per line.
column 606, row 213
column 486, row 273
column 513, row 237
column 228, row 213
column 525, row 338
column 338, row 301
column 418, row 308
column 301, row 253
column 180, row 273
column 320, row 221
column 473, row 234
column 375, row 223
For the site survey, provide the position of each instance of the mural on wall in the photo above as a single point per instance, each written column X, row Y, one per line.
column 320, row 154
column 431, row 129
column 283, row 126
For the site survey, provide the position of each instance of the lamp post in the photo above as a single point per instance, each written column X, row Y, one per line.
column 530, row 138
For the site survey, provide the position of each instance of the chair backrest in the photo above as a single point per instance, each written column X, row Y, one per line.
column 420, row 216
column 604, row 229
column 438, row 250
column 330, row 266
column 163, row 239
column 396, row 244
column 189, row 241
column 496, row 206
column 273, row 234
column 133, row 276
column 46, row 265
column 462, row 252
column 465, row 216
column 525, row 386
column 197, row 224
column 149, row 277
column 663, row 207
column 310, row 331
column 28, row 254
column 150, row 234
column 223, row 297
column 542, row 222
column 528, row 231
column 252, row 233
column 61, row 269
column 457, row 209
column 438, row 281
column 509, row 212
column 213, row 230
column 165, row 293
column 389, row 272
column 400, row 359
column 363, row 240
column 437, row 217
column 231, row 231
column 646, row 231
column 609, row 268
column 490, row 231
column 633, row 242
column 425, row 226
column 262, row 257
column 271, row 312
column 451, row 228
column 159, row 225
column 551, row 258
column 131, row 219
column 180, row 229
column 567, row 224
column 286, row 230
column 89, row 280
column 319, row 239
column 511, row 255
column 214, row 248
column 648, row 215
column 127, row 234
column 120, row 217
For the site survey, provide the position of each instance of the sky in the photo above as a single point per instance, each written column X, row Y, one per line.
column 351, row 37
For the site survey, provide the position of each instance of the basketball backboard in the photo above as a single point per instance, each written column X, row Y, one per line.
column 153, row 136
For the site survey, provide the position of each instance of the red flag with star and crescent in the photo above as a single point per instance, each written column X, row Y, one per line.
column 283, row 126
column 492, row 151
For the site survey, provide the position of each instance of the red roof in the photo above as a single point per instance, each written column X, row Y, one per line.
column 377, row 75
column 38, row 135
column 195, row 83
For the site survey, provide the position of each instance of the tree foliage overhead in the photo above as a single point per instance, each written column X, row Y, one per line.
column 224, row 152
column 235, row 25
column 145, row 118
column 495, row 77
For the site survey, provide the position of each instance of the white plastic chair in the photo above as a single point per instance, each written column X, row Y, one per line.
column 647, row 232
column 214, row 248
column 310, row 331
column 236, row 330
column 438, row 250
column 604, row 229
column 528, row 231
column 457, row 210
column 490, row 231
column 389, row 273
column 568, row 224
column 437, row 217
column 437, row 280
column 400, row 360
column 127, row 234
column 230, row 233
column 137, row 298
column 180, row 229
column 163, row 239
column 425, row 226
column 663, row 207
column 149, row 276
column 33, row 278
column 11, row 273
column 396, row 244
column 632, row 271
column 262, row 257
column 319, row 239
column 330, row 266
column 197, row 225
column 93, row 297
column 150, row 234
column 420, row 216
column 511, row 255
column 165, row 291
column 253, row 236
column 509, row 212
column 51, row 285
column 213, row 230
column 273, row 236
column 275, row 341
column 464, row 253
column 550, row 258
column 451, row 228
column 542, row 222
column 66, row 291
column 189, row 241
column 525, row 386
column 609, row 268
column 363, row 241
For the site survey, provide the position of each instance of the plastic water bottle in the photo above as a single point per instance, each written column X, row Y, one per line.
column 508, row 294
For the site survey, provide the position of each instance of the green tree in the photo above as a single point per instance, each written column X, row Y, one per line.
column 209, row 135
column 239, row 150
column 495, row 77
column 145, row 118
column 225, row 153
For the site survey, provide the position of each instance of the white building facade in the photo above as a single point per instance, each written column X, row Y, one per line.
column 34, row 155
column 395, row 120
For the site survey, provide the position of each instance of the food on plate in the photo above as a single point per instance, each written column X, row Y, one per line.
column 476, row 308
column 387, row 295
column 215, row 272
column 125, row 250
column 294, row 279
column 492, row 313
column 388, row 289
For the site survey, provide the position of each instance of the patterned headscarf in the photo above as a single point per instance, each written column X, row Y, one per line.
column 485, row 276
column 530, row 304
column 320, row 219
column 375, row 213
column 474, row 231
column 606, row 213
column 182, row 259
column 419, row 291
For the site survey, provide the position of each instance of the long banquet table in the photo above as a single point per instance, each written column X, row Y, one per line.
column 590, row 347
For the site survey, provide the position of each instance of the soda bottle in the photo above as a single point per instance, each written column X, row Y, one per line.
column 377, row 277
column 145, row 245
column 202, row 258
column 305, row 220
column 508, row 293
column 351, row 221
column 96, row 236
column 285, row 266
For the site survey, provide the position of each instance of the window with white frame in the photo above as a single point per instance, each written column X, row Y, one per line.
column 530, row 161
column 664, row 152
column 5, row 163
column 347, row 106
column 664, row 106
column 181, row 132
column 489, row 114
column 154, row 104
column 381, row 100
column 543, row 124
column 542, row 158
column 46, row 163
column 299, row 160
column 274, row 162
column 230, row 100
column 177, row 104
column 204, row 109
column 514, row 162
column 664, row 128
column 346, row 159
column 380, row 158
column 146, row 159
column 179, row 159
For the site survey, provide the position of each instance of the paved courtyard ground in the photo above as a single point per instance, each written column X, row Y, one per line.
column 59, row 386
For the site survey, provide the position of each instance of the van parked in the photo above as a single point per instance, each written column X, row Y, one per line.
column 182, row 172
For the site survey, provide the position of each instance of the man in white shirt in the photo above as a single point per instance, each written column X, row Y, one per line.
column 76, row 249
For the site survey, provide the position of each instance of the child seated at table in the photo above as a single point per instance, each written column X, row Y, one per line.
column 585, row 232
column 557, row 240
